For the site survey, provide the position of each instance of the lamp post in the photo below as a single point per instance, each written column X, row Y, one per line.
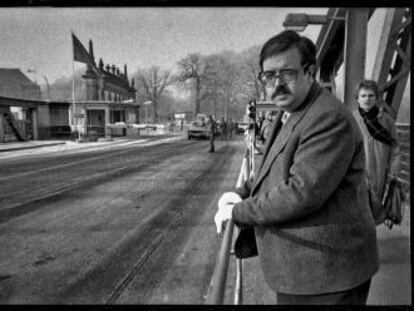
column 299, row 22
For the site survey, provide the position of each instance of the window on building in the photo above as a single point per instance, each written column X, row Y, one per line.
column 117, row 116
column 96, row 117
column 59, row 116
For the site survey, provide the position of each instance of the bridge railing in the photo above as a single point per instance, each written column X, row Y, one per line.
column 219, row 280
column 403, row 136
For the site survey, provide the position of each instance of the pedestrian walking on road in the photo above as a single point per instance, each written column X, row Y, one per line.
column 232, row 129
column 381, row 146
column 307, row 210
column 224, row 129
column 212, row 128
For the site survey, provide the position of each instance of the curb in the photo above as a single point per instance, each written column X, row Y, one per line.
column 31, row 147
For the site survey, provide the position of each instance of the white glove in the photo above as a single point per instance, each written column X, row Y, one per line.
column 225, row 208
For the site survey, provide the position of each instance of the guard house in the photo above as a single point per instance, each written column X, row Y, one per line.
column 23, row 115
column 109, row 107
column 15, row 84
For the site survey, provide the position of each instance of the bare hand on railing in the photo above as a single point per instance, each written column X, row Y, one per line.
column 225, row 208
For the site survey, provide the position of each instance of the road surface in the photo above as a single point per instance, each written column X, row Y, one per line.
column 130, row 224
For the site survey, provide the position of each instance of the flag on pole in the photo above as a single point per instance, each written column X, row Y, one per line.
column 80, row 54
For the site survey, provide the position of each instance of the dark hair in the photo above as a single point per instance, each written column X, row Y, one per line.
column 368, row 85
column 286, row 40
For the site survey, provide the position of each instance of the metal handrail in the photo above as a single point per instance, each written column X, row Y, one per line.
column 220, row 273
column 219, row 279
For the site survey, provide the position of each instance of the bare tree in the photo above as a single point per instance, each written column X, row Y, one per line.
column 61, row 89
column 151, row 84
column 191, row 69
column 250, row 68
column 222, row 81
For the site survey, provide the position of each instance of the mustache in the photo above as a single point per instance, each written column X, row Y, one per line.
column 280, row 90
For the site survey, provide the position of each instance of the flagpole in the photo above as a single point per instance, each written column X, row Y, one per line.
column 73, row 91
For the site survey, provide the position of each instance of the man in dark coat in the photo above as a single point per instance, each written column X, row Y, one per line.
column 211, row 128
column 308, row 205
column 382, row 153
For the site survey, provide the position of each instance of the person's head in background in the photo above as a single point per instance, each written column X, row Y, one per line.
column 367, row 94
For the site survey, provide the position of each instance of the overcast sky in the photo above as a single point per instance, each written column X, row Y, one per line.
column 39, row 38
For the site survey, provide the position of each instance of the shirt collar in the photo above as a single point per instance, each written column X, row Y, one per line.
column 285, row 116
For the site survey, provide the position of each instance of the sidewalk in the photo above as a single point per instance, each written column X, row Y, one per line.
column 391, row 285
column 38, row 146
column 13, row 146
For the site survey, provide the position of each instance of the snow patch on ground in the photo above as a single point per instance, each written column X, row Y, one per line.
column 54, row 146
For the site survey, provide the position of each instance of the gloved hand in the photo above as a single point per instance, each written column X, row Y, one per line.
column 225, row 208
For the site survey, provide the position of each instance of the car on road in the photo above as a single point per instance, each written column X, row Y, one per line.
column 241, row 128
column 197, row 130
column 200, row 128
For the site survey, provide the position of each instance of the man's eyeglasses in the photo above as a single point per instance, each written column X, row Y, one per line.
column 268, row 78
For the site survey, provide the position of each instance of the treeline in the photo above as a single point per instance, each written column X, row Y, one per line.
column 220, row 84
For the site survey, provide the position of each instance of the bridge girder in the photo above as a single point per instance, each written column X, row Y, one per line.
column 345, row 32
column 392, row 63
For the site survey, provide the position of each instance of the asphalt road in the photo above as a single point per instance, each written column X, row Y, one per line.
column 132, row 223
column 125, row 225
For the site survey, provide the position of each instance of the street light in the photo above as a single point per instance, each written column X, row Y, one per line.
column 299, row 22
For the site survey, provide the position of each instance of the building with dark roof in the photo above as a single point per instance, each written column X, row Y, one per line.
column 109, row 107
column 14, row 84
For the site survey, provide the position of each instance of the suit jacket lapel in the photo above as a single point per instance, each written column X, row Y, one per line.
column 273, row 149
column 277, row 146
